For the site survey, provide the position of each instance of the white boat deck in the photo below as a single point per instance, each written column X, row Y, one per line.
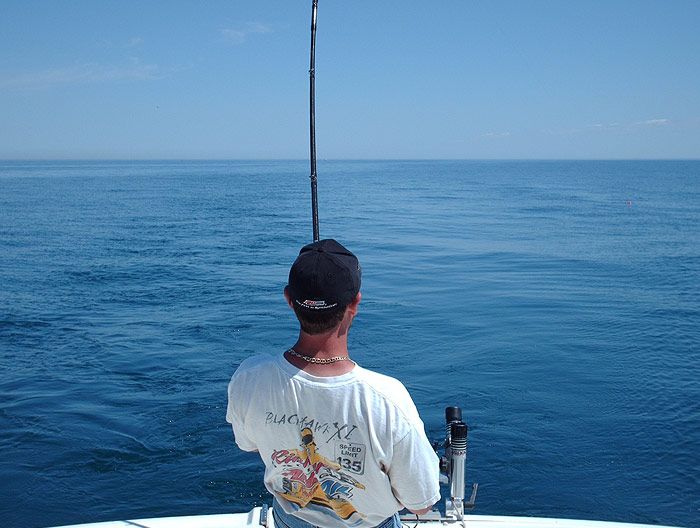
column 256, row 519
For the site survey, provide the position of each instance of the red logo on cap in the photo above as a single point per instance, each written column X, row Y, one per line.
column 314, row 304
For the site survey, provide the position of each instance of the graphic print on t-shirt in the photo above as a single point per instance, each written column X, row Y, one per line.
column 310, row 478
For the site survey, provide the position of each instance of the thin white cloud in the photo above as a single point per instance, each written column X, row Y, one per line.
column 622, row 127
column 90, row 72
column 256, row 27
column 654, row 122
column 233, row 36
column 498, row 134
column 238, row 36
column 135, row 41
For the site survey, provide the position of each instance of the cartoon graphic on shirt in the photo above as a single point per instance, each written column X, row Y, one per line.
column 310, row 478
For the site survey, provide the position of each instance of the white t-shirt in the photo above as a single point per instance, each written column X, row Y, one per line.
column 339, row 451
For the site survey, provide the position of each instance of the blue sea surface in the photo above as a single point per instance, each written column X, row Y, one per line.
column 557, row 302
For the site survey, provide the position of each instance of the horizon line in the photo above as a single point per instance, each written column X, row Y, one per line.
column 214, row 159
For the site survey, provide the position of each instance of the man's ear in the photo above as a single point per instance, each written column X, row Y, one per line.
column 286, row 296
column 352, row 307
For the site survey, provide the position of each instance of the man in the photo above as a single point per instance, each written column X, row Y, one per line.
column 342, row 445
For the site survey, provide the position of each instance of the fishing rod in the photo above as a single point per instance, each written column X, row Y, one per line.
column 312, row 121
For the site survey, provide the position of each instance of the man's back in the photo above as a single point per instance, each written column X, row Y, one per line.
column 345, row 450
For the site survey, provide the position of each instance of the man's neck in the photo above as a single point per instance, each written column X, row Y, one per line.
column 323, row 346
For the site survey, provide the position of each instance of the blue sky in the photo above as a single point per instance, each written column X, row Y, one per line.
column 433, row 79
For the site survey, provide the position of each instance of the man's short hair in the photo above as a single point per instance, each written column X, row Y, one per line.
column 315, row 322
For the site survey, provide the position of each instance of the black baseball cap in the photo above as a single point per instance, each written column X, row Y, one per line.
column 324, row 275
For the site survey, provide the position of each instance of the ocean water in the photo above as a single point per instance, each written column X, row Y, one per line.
column 556, row 302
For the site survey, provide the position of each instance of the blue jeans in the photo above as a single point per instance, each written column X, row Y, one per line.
column 284, row 520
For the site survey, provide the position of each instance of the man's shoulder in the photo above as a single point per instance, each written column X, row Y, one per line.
column 255, row 363
column 391, row 390
column 380, row 381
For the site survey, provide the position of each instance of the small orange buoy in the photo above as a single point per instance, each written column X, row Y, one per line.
column 629, row 203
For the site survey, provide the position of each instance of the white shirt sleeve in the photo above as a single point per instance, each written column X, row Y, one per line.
column 414, row 472
column 236, row 416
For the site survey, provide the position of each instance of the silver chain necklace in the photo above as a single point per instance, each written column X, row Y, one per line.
column 317, row 360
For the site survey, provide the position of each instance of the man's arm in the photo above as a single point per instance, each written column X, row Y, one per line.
column 414, row 473
column 235, row 418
